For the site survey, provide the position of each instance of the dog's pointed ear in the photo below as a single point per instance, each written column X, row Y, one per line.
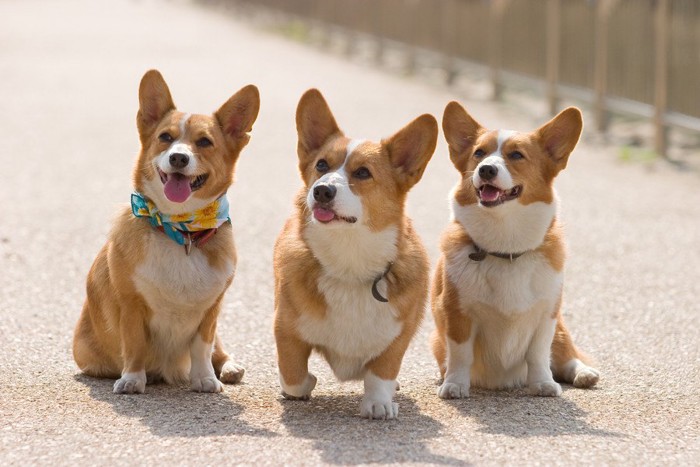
column 559, row 136
column 315, row 123
column 411, row 148
column 461, row 132
column 155, row 101
column 237, row 115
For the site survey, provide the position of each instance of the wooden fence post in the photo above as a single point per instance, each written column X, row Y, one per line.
column 448, row 24
column 553, row 53
column 377, row 14
column 603, row 9
column 661, row 20
column 496, row 45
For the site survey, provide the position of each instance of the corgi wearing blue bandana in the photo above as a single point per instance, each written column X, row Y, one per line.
column 155, row 289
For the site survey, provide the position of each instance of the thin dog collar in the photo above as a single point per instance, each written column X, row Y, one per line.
column 480, row 254
column 375, row 292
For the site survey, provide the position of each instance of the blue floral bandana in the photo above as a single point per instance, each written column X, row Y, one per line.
column 177, row 226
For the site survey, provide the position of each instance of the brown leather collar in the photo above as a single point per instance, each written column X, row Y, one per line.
column 480, row 255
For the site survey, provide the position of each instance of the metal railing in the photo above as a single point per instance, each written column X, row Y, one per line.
column 640, row 57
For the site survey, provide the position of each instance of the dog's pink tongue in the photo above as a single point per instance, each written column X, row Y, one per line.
column 177, row 188
column 490, row 193
column 324, row 215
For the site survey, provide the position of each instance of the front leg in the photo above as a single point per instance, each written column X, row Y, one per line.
column 539, row 375
column 293, row 362
column 134, row 342
column 460, row 337
column 380, row 378
column 377, row 403
column 202, row 375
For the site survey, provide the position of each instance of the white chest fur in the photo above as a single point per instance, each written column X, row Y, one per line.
column 507, row 303
column 511, row 288
column 354, row 253
column 356, row 327
column 178, row 288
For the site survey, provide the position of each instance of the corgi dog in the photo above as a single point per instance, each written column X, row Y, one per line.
column 351, row 274
column 154, row 291
column 497, row 290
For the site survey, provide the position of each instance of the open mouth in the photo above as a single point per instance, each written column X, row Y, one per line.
column 326, row 215
column 490, row 195
column 178, row 187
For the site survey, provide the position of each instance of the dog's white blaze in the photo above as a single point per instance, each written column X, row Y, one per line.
column 178, row 289
column 178, row 147
column 503, row 136
column 509, row 228
column 182, row 125
column 346, row 203
column 352, row 145
column 378, row 399
column 503, row 180
column 356, row 328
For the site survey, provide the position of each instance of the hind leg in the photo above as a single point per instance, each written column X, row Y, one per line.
column 440, row 353
column 568, row 363
column 88, row 352
column 228, row 371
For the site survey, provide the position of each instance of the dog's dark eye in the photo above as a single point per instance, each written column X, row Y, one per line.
column 362, row 173
column 165, row 137
column 479, row 153
column 203, row 142
column 322, row 165
column 515, row 156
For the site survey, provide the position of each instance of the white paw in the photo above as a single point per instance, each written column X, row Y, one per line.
column 545, row 389
column 453, row 391
column 131, row 383
column 378, row 410
column 231, row 373
column 206, row 384
column 586, row 377
column 300, row 391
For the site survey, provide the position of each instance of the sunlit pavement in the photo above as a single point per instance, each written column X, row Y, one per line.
column 69, row 74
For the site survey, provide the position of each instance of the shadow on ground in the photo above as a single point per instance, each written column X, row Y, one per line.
column 175, row 411
column 334, row 425
column 516, row 414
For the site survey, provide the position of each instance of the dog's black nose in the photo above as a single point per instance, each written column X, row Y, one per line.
column 324, row 193
column 488, row 172
column 178, row 160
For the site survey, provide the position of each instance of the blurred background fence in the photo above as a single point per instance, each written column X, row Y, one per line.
column 639, row 57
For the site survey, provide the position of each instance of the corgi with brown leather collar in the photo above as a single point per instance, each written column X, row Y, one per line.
column 154, row 291
column 497, row 289
column 351, row 274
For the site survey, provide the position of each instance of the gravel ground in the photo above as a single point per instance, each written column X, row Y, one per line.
column 69, row 74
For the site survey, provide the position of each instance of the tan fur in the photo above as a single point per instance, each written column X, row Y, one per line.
column 115, row 335
column 396, row 164
column 547, row 150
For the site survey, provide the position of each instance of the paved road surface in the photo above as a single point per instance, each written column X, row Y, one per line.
column 69, row 73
